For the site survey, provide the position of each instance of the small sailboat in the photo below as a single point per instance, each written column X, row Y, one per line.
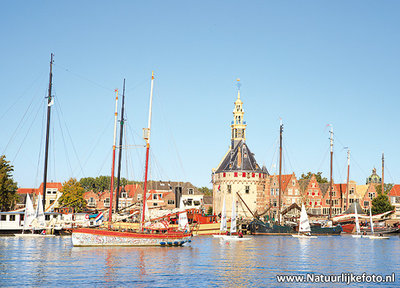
column 33, row 220
column 223, row 225
column 304, row 225
column 358, row 231
column 372, row 236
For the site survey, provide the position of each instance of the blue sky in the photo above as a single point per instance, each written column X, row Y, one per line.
column 308, row 62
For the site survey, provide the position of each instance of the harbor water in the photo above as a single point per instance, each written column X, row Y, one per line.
column 206, row 262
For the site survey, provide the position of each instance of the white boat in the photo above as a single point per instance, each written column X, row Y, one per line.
column 233, row 229
column 372, row 229
column 222, row 226
column 304, row 225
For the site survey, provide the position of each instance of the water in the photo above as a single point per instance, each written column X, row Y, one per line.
column 206, row 262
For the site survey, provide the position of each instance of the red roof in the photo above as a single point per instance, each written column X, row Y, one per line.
column 36, row 191
column 395, row 190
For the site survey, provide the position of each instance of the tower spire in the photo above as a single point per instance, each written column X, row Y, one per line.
column 238, row 125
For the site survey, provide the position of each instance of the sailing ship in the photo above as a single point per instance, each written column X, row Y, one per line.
column 146, row 236
column 304, row 225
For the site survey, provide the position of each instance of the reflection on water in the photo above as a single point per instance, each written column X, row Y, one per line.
column 208, row 261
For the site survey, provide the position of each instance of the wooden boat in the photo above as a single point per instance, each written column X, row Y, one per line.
column 145, row 236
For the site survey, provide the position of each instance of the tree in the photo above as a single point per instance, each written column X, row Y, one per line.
column 100, row 183
column 88, row 183
column 72, row 195
column 381, row 203
column 318, row 176
column 387, row 188
column 206, row 191
column 210, row 211
column 8, row 187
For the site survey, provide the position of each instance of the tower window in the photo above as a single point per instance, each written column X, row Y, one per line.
column 247, row 189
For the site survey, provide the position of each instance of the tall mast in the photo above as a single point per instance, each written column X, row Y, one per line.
column 331, row 182
column 120, row 147
column 113, row 160
column 146, row 136
column 383, row 174
column 280, row 172
column 46, row 153
column 348, row 179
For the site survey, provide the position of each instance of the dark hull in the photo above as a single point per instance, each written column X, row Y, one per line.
column 258, row 227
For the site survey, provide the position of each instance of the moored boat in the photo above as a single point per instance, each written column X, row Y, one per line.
column 146, row 235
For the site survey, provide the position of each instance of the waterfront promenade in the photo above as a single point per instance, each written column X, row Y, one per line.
column 206, row 262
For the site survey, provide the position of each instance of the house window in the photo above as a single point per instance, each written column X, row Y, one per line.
column 229, row 188
column 277, row 192
column 293, row 182
column 327, row 201
column 190, row 191
column 196, row 203
column 189, row 201
column 154, row 196
column 47, row 217
column 54, row 191
column 51, row 201
column 171, row 202
column 351, row 192
column 12, row 217
column 123, row 195
column 366, row 203
column 351, row 201
column 296, row 192
column 155, row 204
column 272, row 191
column 48, row 191
column 107, row 202
column 3, row 218
column 247, row 189
column 274, row 203
column 290, row 191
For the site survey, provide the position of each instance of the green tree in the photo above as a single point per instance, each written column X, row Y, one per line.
column 210, row 211
column 72, row 195
column 206, row 191
column 8, row 187
column 381, row 203
column 88, row 183
column 387, row 188
column 318, row 176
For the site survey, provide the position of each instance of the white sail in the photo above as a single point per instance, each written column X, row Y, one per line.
column 357, row 222
column 223, row 217
column 29, row 215
column 233, row 216
column 39, row 213
column 183, row 222
column 370, row 220
column 304, row 225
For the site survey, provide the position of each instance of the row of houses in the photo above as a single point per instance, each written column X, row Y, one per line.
column 160, row 194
